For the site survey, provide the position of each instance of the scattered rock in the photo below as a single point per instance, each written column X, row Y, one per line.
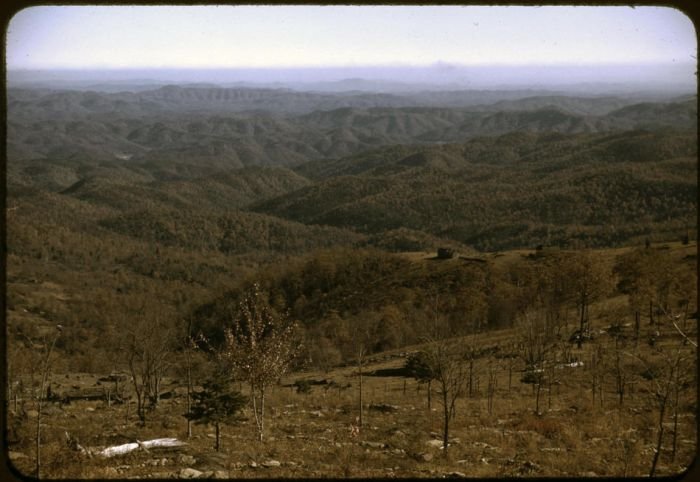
column 482, row 445
column 455, row 474
column 220, row 474
column 253, row 464
column 271, row 463
column 316, row 413
column 16, row 455
column 551, row 449
column 162, row 475
column 434, row 443
column 374, row 445
column 186, row 459
column 189, row 473
column 424, row 457
column 590, row 473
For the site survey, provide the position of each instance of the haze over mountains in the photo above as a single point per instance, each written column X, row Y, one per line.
column 255, row 126
column 582, row 78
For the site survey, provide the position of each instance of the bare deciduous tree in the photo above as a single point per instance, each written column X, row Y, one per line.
column 149, row 346
column 40, row 396
column 259, row 348
column 666, row 379
column 445, row 361
column 537, row 345
column 588, row 281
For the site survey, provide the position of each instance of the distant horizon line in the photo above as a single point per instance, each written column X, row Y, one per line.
column 434, row 65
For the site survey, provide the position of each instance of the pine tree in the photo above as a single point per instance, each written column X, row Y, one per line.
column 217, row 403
column 417, row 365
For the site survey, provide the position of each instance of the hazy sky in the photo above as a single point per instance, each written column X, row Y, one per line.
column 287, row 36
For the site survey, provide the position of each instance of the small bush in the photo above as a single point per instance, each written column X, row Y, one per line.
column 547, row 427
column 303, row 386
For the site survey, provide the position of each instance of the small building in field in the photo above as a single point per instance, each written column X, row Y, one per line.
column 446, row 253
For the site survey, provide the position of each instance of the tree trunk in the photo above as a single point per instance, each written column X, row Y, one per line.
column 258, row 414
column 262, row 413
column 581, row 322
column 429, row 390
column 360, row 374
column 660, row 437
column 593, row 388
column 217, row 445
column 675, row 421
column 446, row 425
column 38, row 443
column 189, row 394
column 510, row 372
column 44, row 377
column 471, row 377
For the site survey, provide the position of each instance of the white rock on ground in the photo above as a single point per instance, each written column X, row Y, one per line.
column 189, row 473
column 434, row 443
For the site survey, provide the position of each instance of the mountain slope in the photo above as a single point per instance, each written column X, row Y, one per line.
column 515, row 190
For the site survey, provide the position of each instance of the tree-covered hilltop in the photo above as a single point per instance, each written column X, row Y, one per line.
column 233, row 128
column 343, row 297
column 515, row 190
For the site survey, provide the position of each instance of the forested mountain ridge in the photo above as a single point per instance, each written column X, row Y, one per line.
column 56, row 103
column 221, row 127
column 514, row 190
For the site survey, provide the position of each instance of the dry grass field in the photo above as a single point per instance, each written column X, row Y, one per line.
column 311, row 434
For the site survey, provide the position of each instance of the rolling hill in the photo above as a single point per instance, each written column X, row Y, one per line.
column 233, row 128
column 514, row 190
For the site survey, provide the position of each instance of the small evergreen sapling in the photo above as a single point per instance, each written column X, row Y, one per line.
column 217, row 403
column 417, row 365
